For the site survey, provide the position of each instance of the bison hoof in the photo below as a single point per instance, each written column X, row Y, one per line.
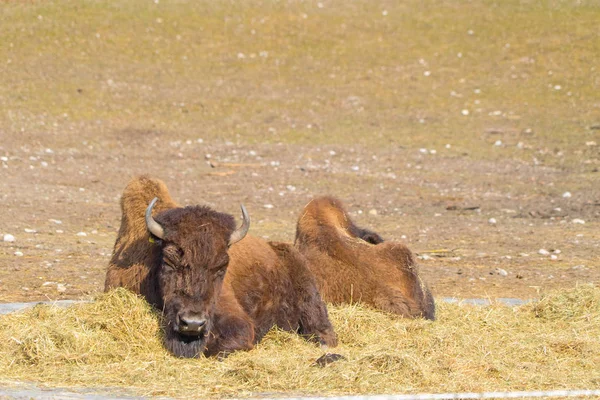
column 328, row 358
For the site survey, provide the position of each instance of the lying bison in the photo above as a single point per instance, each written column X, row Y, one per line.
column 219, row 289
column 354, row 264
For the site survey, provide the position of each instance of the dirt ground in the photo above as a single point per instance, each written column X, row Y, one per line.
column 495, row 203
column 65, row 216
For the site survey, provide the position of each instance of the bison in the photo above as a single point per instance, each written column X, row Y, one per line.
column 219, row 289
column 355, row 264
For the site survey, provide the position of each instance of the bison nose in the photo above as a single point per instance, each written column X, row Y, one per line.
column 191, row 324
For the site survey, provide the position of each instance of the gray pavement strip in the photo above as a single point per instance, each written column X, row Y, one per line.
column 6, row 308
column 30, row 391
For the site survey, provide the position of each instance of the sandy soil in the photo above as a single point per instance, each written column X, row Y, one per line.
column 61, row 205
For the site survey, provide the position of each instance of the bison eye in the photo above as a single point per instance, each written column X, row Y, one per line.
column 220, row 273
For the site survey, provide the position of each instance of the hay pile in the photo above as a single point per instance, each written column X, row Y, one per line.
column 116, row 341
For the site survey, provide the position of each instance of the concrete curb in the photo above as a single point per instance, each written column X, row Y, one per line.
column 7, row 308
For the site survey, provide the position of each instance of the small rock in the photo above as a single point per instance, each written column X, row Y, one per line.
column 498, row 143
column 492, row 221
column 543, row 252
column 61, row 288
column 81, row 234
column 566, row 195
column 329, row 358
column 9, row 238
column 373, row 212
column 501, row 272
column 269, row 206
column 27, row 230
column 553, row 257
column 56, row 221
column 557, row 251
column 578, row 221
column 18, row 254
column 355, row 168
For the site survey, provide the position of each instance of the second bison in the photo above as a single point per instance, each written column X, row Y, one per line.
column 352, row 264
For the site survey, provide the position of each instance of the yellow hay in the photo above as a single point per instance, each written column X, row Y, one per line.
column 115, row 341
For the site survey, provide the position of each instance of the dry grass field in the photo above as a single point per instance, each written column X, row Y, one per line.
column 469, row 130
column 115, row 342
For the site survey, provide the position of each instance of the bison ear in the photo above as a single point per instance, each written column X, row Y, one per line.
column 371, row 237
column 241, row 232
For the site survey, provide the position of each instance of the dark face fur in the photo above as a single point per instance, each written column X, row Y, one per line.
column 190, row 276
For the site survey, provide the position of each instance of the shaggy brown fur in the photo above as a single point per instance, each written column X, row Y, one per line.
column 355, row 264
column 240, row 291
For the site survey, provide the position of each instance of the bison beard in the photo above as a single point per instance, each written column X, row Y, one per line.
column 185, row 346
column 218, row 293
column 354, row 264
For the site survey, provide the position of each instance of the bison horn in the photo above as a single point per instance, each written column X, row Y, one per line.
column 153, row 226
column 239, row 233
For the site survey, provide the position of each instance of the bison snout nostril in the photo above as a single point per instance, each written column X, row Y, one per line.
column 191, row 324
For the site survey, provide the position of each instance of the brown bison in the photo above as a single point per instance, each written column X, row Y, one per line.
column 219, row 289
column 355, row 264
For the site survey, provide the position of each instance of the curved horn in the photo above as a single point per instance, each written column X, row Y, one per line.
column 240, row 232
column 153, row 226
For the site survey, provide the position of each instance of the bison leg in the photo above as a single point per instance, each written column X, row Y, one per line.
column 232, row 328
column 395, row 302
column 229, row 333
column 314, row 322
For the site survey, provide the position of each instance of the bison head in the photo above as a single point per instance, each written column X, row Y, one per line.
column 194, row 242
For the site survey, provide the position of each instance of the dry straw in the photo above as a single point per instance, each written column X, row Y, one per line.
column 115, row 341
